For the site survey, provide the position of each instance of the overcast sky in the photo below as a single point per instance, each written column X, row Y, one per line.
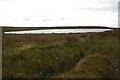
column 59, row 13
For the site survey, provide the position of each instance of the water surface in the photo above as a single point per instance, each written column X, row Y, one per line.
column 58, row 31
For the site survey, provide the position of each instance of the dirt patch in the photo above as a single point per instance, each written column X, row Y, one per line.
column 23, row 46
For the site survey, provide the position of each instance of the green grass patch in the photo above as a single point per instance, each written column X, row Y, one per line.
column 91, row 56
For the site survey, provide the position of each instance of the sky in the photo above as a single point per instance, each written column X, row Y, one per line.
column 30, row 13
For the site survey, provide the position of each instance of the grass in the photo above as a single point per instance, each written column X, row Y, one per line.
column 98, row 61
column 90, row 55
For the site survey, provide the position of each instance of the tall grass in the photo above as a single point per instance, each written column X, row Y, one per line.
column 73, row 56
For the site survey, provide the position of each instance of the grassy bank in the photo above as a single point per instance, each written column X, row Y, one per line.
column 90, row 55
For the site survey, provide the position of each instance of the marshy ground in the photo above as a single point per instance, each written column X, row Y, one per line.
column 86, row 55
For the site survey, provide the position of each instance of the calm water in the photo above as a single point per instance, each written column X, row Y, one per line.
column 50, row 31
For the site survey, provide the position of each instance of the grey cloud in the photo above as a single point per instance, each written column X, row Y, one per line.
column 109, row 8
column 3, row 0
column 109, row 5
column 26, row 19
column 45, row 20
